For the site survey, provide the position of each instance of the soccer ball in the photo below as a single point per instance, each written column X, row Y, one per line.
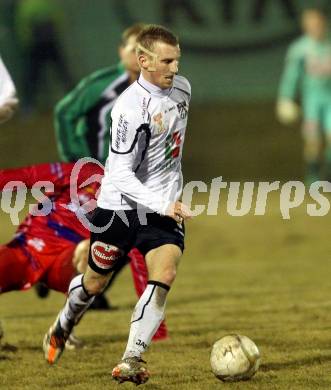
column 234, row 358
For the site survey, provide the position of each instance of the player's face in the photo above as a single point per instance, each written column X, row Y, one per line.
column 314, row 24
column 128, row 55
column 165, row 65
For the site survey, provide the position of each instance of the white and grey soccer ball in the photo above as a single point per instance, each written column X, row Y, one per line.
column 234, row 358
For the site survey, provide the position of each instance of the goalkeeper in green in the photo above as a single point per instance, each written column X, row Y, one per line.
column 82, row 118
column 308, row 71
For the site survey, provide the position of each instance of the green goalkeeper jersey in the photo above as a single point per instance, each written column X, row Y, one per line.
column 82, row 118
column 308, row 71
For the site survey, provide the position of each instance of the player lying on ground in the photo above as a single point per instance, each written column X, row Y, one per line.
column 45, row 247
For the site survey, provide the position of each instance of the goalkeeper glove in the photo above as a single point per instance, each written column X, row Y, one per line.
column 287, row 111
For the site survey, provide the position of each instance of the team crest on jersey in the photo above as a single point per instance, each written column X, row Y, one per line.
column 182, row 109
column 104, row 255
column 158, row 123
column 173, row 143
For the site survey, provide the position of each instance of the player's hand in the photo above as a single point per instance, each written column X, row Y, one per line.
column 178, row 211
column 8, row 109
column 287, row 111
column 80, row 257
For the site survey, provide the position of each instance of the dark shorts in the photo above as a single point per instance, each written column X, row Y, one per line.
column 127, row 231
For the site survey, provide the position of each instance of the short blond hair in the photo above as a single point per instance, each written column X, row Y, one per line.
column 154, row 33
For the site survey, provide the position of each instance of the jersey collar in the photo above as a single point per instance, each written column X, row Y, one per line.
column 151, row 88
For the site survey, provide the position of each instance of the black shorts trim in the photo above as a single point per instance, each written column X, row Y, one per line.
column 148, row 246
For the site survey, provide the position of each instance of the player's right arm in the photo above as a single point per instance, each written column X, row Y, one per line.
column 293, row 71
column 8, row 98
column 287, row 109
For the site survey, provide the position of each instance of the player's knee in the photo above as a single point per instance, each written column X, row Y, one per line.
column 95, row 286
column 312, row 150
column 169, row 275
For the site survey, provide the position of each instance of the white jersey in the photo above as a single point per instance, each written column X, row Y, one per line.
column 147, row 136
column 7, row 87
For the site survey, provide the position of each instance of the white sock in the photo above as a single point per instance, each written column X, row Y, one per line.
column 77, row 303
column 146, row 318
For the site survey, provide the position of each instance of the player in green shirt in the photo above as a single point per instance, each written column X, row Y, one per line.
column 308, row 71
column 82, row 118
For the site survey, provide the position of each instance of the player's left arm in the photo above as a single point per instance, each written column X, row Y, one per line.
column 287, row 109
column 292, row 73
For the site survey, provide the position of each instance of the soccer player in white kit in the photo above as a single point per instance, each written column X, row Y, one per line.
column 139, row 200
column 8, row 99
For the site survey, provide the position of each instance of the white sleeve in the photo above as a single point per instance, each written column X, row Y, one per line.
column 7, row 87
column 128, row 141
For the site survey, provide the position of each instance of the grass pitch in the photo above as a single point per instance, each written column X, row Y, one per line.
column 264, row 277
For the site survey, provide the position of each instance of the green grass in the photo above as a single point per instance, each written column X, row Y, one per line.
column 263, row 277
